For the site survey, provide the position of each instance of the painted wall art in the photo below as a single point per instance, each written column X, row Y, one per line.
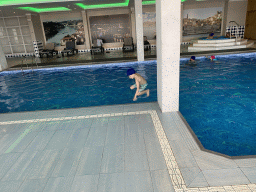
column 149, row 25
column 202, row 21
column 58, row 32
column 110, row 28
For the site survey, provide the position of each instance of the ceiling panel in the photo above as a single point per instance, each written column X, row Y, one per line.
column 25, row 2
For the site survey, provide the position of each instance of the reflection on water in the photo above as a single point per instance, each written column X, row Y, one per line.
column 8, row 99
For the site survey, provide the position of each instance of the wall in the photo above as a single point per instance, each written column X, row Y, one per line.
column 251, row 20
column 60, row 19
column 3, row 62
column 149, row 21
column 203, row 4
column 93, row 14
column 105, row 12
column 237, row 12
column 15, row 36
column 38, row 29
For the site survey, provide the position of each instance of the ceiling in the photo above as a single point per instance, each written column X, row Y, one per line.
column 21, row 7
column 15, row 7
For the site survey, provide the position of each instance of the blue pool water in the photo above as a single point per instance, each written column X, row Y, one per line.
column 218, row 99
column 214, row 38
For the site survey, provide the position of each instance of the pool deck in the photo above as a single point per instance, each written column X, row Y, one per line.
column 115, row 56
column 132, row 147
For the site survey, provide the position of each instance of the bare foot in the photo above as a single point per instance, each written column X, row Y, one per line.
column 147, row 92
column 134, row 99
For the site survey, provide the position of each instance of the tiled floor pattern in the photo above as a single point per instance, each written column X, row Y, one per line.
column 172, row 166
column 108, row 152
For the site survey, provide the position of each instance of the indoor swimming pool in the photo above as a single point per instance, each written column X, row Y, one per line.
column 217, row 99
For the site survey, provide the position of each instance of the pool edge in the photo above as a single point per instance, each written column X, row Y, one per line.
column 202, row 148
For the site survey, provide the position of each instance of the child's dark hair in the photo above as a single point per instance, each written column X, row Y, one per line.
column 130, row 72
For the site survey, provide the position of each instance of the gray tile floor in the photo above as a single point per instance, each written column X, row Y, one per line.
column 115, row 153
column 119, row 153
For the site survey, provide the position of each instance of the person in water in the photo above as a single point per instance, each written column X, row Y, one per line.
column 140, row 83
column 210, row 36
column 212, row 58
column 192, row 59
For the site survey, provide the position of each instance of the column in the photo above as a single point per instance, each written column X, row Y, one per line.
column 3, row 62
column 181, row 22
column 168, row 54
column 31, row 27
column 224, row 19
column 139, row 30
column 133, row 25
column 86, row 31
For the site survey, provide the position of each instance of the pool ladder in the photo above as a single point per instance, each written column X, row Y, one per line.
column 24, row 61
column 236, row 29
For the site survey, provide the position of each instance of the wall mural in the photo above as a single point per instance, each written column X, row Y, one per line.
column 149, row 25
column 58, row 32
column 202, row 21
column 110, row 28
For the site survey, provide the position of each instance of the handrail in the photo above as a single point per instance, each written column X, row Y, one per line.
column 21, row 66
column 236, row 28
column 35, row 57
column 234, row 22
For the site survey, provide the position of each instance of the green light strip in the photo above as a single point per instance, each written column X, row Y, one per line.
column 153, row 2
column 83, row 6
column 126, row 3
column 41, row 10
column 148, row 2
column 17, row 141
column 22, row 2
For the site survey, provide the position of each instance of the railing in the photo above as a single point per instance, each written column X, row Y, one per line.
column 24, row 60
column 236, row 28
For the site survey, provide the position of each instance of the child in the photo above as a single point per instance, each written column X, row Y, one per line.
column 140, row 83
column 192, row 59
column 212, row 58
column 210, row 36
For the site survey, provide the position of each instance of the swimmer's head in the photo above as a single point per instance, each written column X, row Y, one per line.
column 211, row 34
column 130, row 73
column 212, row 57
column 192, row 58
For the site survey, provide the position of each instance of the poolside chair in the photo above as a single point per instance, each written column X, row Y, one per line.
column 70, row 49
column 97, row 46
column 48, row 51
column 147, row 46
column 128, row 44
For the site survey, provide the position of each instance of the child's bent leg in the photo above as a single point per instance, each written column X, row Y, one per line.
column 143, row 92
